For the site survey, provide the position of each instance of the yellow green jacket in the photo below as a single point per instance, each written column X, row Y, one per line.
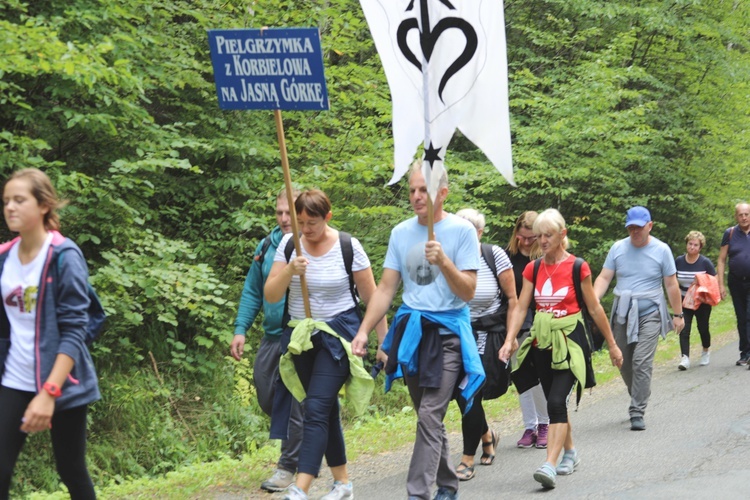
column 358, row 387
column 567, row 354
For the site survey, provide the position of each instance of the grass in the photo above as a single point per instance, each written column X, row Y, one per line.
column 371, row 434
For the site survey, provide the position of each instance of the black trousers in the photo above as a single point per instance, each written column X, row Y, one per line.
column 68, row 443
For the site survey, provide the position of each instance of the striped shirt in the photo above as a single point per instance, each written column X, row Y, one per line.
column 327, row 281
column 686, row 272
column 487, row 298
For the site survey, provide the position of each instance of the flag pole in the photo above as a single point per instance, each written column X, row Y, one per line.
column 290, row 200
column 427, row 138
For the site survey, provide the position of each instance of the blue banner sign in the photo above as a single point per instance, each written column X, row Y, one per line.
column 269, row 68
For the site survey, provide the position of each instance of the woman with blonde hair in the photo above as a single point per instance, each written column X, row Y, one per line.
column 557, row 352
column 522, row 249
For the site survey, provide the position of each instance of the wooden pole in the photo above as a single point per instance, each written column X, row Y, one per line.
column 290, row 200
column 430, row 219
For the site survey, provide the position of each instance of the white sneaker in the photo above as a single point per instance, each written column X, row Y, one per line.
column 295, row 493
column 340, row 491
column 280, row 481
column 684, row 363
column 705, row 358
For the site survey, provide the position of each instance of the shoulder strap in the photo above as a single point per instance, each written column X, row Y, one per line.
column 577, row 282
column 731, row 232
column 347, row 251
column 489, row 258
column 288, row 249
column 537, row 263
column 262, row 255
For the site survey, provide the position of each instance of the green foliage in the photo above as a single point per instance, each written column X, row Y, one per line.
column 612, row 104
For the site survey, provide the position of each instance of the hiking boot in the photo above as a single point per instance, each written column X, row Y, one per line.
column 340, row 491
column 569, row 462
column 295, row 493
column 445, row 494
column 546, row 475
column 280, row 481
column 742, row 361
column 637, row 424
column 541, row 435
column 684, row 363
column 528, row 439
column 705, row 358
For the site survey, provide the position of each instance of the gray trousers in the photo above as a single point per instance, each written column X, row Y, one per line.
column 265, row 373
column 638, row 360
column 431, row 458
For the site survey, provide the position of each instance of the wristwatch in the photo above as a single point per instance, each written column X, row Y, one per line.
column 681, row 315
column 52, row 389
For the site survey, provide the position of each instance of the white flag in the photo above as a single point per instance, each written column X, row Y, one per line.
column 446, row 65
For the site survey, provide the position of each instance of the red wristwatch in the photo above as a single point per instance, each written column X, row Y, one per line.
column 52, row 389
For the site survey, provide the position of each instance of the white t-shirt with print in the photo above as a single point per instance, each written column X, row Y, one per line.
column 19, row 286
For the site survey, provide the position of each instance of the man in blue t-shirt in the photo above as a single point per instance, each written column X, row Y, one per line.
column 266, row 367
column 735, row 244
column 439, row 279
column 640, row 263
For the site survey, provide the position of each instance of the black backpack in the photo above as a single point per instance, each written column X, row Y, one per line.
column 497, row 373
column 347, row 252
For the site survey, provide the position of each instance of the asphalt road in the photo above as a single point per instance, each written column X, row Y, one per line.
column 696, row 445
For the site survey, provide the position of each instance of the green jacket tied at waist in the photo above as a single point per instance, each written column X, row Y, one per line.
column 552, row 333
column 358, row 387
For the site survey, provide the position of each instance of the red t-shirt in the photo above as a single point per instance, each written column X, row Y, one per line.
column 554, row 290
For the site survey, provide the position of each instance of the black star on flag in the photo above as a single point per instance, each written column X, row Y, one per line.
column 431, row 155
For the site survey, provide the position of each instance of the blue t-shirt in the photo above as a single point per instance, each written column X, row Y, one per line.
column 640, row 269
column 425, row 287
column 739, row 252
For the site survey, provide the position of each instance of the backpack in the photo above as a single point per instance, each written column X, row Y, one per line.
column 588, row 322
column 97, row 316
column 347, row 252
column 262, row 255
column 497, row 372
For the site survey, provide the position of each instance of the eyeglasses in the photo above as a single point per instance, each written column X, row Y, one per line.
column 526, row 239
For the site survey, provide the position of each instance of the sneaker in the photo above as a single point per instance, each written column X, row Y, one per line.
column 443, row 493
column 340, row 491
column 528, row 439
column 280, row 481
column 295, row 493
column 568, row 464
column 705, row 358
column 742, row 361
column 637, row 424
column 546, row 475
column 684, row 363
column 541, row 435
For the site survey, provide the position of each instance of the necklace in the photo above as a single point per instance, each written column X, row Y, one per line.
column 687, row 259
column 549, row 275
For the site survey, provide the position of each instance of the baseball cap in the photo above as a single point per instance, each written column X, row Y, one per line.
column 637, row 216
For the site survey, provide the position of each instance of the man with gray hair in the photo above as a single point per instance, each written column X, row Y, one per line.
column 640, row 263
column 266, row 367
column 735, row 244
column 430, row 342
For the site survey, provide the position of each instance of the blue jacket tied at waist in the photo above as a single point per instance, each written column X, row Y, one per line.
column 455, row 320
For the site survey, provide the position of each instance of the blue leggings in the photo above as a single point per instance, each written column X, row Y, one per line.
column 68, row 443
column 322, row 377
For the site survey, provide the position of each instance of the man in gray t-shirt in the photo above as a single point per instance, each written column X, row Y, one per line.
column 639, row 264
